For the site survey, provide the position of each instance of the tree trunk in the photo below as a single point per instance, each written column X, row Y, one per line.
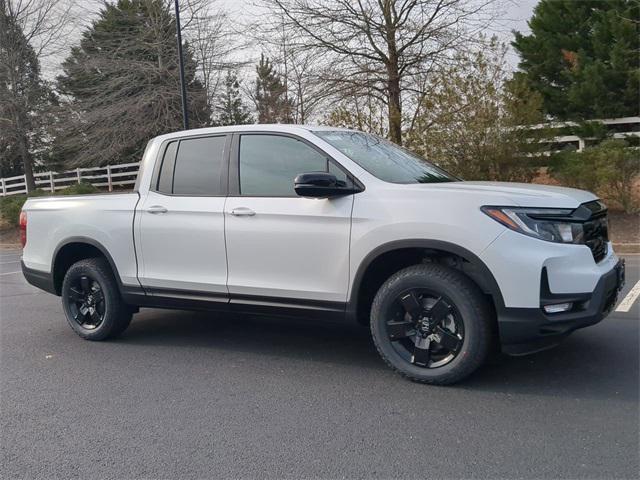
column 27, row 163
column 393, row 79
column 23, row 148
column 302, row 113
column 395, row 108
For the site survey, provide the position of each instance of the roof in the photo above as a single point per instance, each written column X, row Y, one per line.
column 270, row 127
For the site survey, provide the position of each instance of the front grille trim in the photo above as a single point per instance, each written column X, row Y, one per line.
column 596, row 230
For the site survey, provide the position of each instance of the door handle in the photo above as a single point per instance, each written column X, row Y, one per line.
column 242, row 212
column 157, row 209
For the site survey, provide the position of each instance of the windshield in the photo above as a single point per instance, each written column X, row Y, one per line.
column 384, row 159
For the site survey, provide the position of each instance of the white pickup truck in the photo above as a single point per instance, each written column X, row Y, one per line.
column 319, row 222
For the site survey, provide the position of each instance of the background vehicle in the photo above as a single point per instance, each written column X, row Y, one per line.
column 319, row 222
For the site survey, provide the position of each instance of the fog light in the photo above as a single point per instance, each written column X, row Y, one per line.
column 558, row 307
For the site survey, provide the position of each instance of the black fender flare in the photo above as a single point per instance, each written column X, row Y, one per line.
column 93, row 243
column 485, row 279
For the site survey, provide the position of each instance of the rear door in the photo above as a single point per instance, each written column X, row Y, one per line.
column 181, row 248
column 282, row 249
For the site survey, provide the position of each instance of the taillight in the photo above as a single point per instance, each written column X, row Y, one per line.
column 23, row 228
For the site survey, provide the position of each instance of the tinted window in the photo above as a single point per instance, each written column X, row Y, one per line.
column 384, row 159
column 340, row 174
column 269, row 163
column 165, row 179
column 199, row 166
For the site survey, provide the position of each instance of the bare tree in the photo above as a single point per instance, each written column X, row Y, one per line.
column 29, row 30
column 44, row 23
column 213, row 38
column 359, row 110
column 383, row 45
column 305, row 84
column 299, row 68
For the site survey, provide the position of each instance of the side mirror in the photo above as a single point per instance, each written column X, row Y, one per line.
column 321, row 185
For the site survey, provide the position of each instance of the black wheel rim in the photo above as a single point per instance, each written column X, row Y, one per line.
column 86, row 302
column 425, row 328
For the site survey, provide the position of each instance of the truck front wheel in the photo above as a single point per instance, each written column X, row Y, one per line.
column 92, row 302
column 432, row 324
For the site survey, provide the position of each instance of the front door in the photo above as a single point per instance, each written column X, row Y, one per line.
column 283, row 249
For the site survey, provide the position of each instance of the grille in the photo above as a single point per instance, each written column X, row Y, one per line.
column 596, row 235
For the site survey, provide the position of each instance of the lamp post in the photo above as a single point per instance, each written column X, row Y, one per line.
column 183, row 87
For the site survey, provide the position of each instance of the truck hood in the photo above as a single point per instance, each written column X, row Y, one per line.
column 518, row 194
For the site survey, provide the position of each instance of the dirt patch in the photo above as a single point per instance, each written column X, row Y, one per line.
column 4, row 224
column 624, row 227
column 9, row 237
column 543, row 178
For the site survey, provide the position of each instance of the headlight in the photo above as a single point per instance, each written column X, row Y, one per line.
column 551, row 224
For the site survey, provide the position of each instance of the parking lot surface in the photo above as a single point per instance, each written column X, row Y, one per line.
column 193, row 395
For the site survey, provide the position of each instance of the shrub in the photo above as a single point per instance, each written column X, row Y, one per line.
column 79, row 189
column 610, row 169
column 10, row 206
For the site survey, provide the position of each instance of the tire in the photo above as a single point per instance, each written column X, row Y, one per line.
column 109, row 316
column 411, row 301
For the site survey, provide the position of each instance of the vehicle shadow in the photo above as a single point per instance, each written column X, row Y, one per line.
column 588, row 364
column 331, row 342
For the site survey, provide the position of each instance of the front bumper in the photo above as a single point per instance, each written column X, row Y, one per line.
column 528, row 330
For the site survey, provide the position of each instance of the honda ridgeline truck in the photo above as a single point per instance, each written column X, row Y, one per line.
column 319, row 222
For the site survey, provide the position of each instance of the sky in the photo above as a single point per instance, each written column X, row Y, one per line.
column 516, row 14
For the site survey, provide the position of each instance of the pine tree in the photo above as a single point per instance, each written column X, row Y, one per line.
column 123, row 81
column 230, row 108
column 24, row 97
column 270, row 94
column 583, row 57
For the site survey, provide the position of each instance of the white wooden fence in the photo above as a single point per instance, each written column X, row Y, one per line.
column 109, row 176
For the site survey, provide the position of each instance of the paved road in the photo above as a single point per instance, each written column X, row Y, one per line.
column 185, row 395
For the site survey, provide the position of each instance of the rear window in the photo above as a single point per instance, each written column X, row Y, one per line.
column 193, row 167
column 165, row 180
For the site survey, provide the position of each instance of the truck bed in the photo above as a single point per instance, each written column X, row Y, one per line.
column 106, row 219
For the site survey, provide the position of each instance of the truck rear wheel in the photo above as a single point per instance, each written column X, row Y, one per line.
column 92, row 302
column 431, row 324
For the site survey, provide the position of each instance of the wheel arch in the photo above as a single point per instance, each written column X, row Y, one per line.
column 73, row 249
column 417, row 249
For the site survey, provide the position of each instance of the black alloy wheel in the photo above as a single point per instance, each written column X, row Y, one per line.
column 425, row 329
column 92, row 301
column 86, row 302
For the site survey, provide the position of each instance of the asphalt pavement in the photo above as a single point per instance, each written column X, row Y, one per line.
column 194, row 395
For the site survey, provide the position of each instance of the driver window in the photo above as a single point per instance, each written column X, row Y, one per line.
column 269, row 163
